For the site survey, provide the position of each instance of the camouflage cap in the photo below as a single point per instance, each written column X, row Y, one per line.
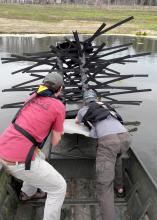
column 55, row 79
column 89, row 96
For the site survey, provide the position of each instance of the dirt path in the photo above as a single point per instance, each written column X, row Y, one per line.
column 15, row 26
column 66, row 26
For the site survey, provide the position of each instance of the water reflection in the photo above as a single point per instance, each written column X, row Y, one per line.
column 19, row 45
column 146, row 113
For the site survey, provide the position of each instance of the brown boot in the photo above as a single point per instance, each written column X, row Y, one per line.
column 38, row 195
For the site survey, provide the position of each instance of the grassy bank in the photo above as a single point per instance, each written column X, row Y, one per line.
column 64, row 19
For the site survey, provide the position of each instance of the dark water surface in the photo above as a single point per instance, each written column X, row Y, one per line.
column 145, row 139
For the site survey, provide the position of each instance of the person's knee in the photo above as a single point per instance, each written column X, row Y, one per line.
column 62, row 186
column 105, row 172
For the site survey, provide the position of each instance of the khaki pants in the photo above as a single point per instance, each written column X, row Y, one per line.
column 107, row 163
column 42, row 175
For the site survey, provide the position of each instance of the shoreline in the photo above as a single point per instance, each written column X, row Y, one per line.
column 38, row 35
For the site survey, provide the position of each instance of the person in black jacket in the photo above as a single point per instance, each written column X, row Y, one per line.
column 106, row 125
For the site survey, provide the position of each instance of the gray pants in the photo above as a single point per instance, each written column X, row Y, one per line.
column 107, row 164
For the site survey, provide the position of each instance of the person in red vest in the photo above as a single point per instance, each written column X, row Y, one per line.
column 41, row 115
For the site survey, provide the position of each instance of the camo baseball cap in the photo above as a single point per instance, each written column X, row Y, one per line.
column 55, row 79
column 89, row 96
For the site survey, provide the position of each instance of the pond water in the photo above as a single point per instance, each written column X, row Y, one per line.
column 145, row 139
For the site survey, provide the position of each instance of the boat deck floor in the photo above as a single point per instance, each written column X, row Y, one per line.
column 33, row 210
column 80, row 204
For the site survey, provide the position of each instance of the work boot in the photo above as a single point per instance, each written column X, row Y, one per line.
column 38, row 195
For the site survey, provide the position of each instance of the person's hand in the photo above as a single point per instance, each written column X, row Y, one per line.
column 76, row 120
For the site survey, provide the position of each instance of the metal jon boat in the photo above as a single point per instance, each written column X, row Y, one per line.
column 74, row 158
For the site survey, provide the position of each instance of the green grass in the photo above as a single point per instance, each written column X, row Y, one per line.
column 144, row 18
column 49, row 13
